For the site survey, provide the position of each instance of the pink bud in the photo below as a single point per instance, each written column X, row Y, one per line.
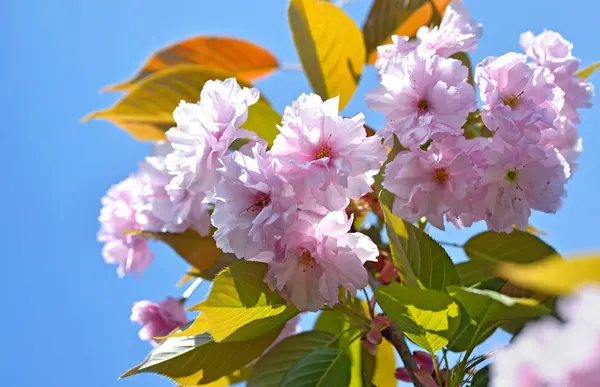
column 402, row 374
column 423, row 360
column 388, row 273
column 158, row 319
column 381, row 322
column 374, row 336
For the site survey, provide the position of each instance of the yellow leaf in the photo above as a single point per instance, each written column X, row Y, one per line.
column 198, row 327
column 147, row 111
column 554, row 275
column 200, row 252
column 395, row 17
column 330, row 46
column 586, row 72
column 244, row 60
column 533, row 230
column 385, row 365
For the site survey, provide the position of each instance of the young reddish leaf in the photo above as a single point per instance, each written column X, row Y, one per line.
column 244, row 60
column 147, row 111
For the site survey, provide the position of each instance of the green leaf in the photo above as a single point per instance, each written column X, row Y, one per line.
column 200, row 252
column 554, row 275
column 486, row 306
column 586, row 72
column 428, row 317
column 474, row 272
column 348, row 329
column 192, row 360
column 429, row 262
column 241, row 306
column 481, row 378
column 320, row 368
column 330, row 46
column 518, row 246
column 146, row 112
column 403, row 18
column 270, row 369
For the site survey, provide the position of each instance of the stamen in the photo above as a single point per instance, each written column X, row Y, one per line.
column 511, row 175
column 423, row 106
column 306, row 260
column 441, row 175
column 261, row 201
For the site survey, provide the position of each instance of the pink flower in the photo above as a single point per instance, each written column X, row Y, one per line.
column 519, row 100
column 205, row 130
column 423, row 97
column 389, row 54
column 158, row 319
column 549, row 49
column 118, row 214
column 456, row 33
column 555, row 354
column 326, row 157
column 517, row 179
column 254, row 204
column 565, row 139
column 434, row 182
column 171, row 204
column 314, row 261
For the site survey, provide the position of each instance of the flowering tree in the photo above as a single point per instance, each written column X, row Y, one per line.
column 314, row 211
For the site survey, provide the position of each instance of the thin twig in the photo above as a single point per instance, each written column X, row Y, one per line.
column 189, row 291
column 291, row 67
column 394, row 335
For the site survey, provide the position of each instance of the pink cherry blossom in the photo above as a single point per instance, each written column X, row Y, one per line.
column 253, row 204
column 456, row 33
column 205, row 130
column 519, row 100
column 315, row 261
column 434, row 182
column 158, row 319
column 549, row 49
column 565, row 139
column 423, row 97
column 393, row 52
column 517, row 179
column 118, row 214
column 170, row 203
column 327, row 157
column 555, row 354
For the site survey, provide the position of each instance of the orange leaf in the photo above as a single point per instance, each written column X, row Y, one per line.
column 244, row 60
column 394, row 17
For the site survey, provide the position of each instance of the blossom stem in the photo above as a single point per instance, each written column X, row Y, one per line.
column 436, row 367
column 189, row 291
column 290, row 67
column 394, row 335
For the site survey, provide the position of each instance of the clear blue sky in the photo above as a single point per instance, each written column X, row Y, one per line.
column 65, row 314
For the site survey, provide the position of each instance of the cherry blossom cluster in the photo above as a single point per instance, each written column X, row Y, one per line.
column 528, row 107
column 552, row 353
column 283, row 206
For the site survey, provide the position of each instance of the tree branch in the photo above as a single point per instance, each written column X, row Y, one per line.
column 394, row 335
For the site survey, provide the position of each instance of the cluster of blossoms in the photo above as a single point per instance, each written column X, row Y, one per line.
column 530, row 108
column 554, row 354
column 284, row 206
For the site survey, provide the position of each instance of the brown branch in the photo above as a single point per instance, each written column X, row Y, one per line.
column 394, row 335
